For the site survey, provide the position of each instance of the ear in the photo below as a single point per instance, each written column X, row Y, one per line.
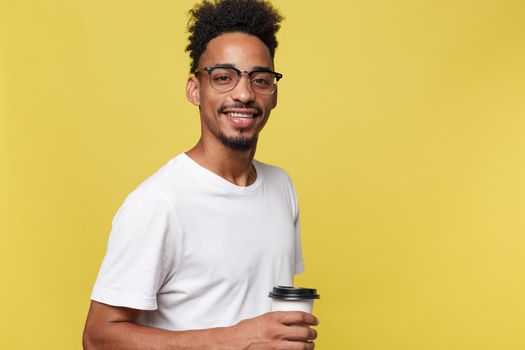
column 193, row 90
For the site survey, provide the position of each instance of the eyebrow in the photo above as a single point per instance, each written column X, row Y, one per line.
column 230, row 65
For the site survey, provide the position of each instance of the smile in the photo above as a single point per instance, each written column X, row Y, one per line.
column 240, row 115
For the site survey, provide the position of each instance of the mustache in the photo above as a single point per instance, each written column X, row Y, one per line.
column 241, row 106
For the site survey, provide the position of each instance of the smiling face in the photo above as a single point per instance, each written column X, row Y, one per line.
column 234, row 118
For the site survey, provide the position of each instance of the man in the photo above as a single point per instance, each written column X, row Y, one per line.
column 196, row 248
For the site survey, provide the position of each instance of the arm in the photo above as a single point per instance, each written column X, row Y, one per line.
column 114, row 328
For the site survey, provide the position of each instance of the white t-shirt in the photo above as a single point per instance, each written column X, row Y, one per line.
column 197, row 251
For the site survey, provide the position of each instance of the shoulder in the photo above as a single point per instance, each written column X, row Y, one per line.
column 155, row 194
column 168, row 175
column 143, row 205
column 281, row 184
column 165, row 184
column 277, row 177
column 272, row 172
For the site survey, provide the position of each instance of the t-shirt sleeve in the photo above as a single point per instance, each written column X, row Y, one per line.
column 299, row 265
column 298, row 256
column 140, row 252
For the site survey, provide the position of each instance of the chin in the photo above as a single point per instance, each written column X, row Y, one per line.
column 239, row 143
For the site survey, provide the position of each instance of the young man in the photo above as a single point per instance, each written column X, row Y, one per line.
column 196, row 248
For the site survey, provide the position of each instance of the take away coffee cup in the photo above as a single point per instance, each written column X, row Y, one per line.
column 286, row 298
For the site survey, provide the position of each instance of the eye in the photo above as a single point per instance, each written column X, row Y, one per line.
column 223, row 76
column 260, row 82
column 221, row 79
column 262, row 79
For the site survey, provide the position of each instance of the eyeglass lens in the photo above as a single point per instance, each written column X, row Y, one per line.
column 225, row 79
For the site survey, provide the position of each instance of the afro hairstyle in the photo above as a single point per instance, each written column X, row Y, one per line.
column 210, row 19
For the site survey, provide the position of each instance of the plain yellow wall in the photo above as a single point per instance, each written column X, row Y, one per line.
column 402, row 124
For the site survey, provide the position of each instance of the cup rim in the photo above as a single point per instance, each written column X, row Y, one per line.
column 293, row 293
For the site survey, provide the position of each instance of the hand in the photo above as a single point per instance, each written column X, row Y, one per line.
column 279, row 330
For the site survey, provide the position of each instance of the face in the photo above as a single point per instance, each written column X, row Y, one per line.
column 236, row 117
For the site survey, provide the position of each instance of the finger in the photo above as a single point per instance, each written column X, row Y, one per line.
column 294, row 345
column 298, row 317
column 300, row 333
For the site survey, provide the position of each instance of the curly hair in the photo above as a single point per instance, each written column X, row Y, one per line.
column 210, row 19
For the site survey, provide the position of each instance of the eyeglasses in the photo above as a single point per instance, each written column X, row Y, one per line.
column 225, row 78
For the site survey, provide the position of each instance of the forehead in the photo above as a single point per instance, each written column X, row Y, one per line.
column 239, row 49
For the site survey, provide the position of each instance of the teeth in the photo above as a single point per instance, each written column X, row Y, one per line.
column 240, row 115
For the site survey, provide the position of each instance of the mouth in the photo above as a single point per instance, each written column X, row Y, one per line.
column 241, row 117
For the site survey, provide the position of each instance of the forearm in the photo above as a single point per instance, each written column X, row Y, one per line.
column 131, row 336
column 115, row 328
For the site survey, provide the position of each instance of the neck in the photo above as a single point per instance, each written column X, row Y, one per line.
column 233, row 165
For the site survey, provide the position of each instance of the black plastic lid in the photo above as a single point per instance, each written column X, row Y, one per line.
column 291, row 293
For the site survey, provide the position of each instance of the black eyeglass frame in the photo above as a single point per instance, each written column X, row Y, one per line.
column 209, row 70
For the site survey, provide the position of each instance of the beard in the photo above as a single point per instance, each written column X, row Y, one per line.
column 238, row 143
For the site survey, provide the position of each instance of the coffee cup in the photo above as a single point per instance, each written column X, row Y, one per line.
column 285, row 298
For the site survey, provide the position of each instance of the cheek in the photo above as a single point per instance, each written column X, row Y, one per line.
column 269, row 104
column 210, row 100
column 274, row 100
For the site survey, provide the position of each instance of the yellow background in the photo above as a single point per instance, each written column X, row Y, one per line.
column 402, row 124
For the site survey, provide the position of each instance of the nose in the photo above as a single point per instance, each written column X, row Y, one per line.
column 243, row 91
